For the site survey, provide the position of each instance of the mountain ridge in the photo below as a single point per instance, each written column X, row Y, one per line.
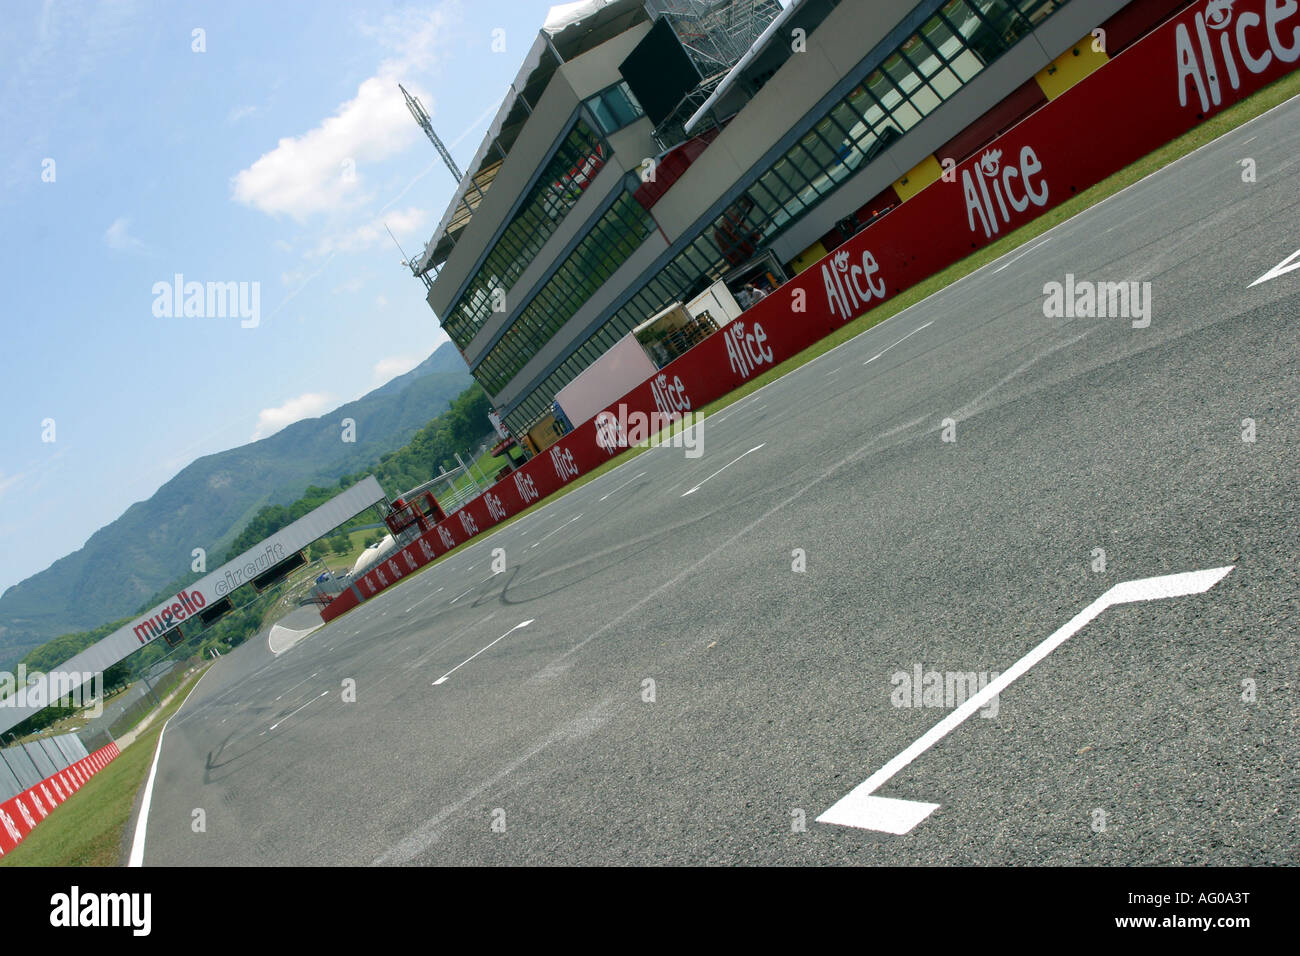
column 208, row 501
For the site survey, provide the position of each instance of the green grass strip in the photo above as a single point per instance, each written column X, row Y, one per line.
column 87, row 829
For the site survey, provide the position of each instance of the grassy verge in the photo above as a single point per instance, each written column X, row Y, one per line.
column 1231, row 118
column 87, row 829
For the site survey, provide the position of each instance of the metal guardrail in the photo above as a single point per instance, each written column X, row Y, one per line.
column 455, row 500
column 27, row 764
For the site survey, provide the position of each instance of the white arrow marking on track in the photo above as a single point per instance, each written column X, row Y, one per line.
column 691, row 491
column 291, row 713
column 482, row 649
column 899, row 342
column 861, row 808
column 1289, row 264
column 621, row 487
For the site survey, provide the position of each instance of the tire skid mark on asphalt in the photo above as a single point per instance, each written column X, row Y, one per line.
column 419, row 661
column 561, row 663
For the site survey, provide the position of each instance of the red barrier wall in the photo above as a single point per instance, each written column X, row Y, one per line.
column 20, row 815
column 1191, row 68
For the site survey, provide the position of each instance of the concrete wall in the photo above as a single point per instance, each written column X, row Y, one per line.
column 536, row 141
column 834, row 49
column 596, row 69
column 573, row 82
column 996, row 82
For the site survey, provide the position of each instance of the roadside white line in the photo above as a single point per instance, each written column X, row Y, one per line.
column 1022, row 255
column 462, row 594
column 899, row 342
column 620, row 487
column 1289, row 264
column 142, row 823
column 737, row 406
column 482, row 649
column 427, row 597
column 861, row 809
column 291, row 713
column 691, row 491
column 299, row 684
column 549, row 533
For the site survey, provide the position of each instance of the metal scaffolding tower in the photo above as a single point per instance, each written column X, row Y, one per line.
column 716, row 33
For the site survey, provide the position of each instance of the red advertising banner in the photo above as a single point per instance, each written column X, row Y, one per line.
column 1195, row 65
column 20, row 815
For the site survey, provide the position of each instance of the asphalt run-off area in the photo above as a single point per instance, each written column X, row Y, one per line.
column 712, row 659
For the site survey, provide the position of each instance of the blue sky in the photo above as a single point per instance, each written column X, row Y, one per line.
column 274, row 156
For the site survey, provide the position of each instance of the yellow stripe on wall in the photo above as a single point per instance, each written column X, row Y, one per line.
column 810, row 255
column 1071, row 67
column 918, row 177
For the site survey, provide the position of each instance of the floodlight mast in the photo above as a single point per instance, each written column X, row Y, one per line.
column 422, row 117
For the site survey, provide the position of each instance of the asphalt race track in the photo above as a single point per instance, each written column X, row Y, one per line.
column 1161, row 732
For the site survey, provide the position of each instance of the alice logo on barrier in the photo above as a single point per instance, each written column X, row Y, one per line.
column 26, row 814
column 526, row 487
column 849, row 288
column 746, row 350
column 1253, row 40
column 496, row 508
column 636, row 428
column 991, row 192
column 562, row 460
column 445, row 536
column 670, row 397
column 15, row 835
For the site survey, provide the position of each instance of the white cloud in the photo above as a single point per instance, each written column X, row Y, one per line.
column 307, row 405
column 413, row 35
column 395, row 365
column 351, row 285
column 118, row 238
column 381, row 300
column 401, row 222
column 239, row 112
column 322, row 170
